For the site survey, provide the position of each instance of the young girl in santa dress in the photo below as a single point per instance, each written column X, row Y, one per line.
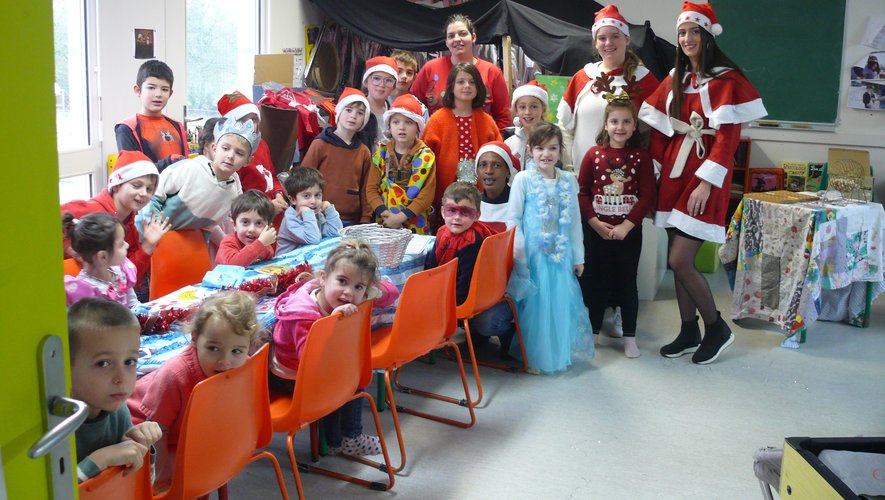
column 549, row 250
column 617, row 185
column 696, row 115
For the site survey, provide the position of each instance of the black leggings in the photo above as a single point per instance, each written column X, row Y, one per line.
column 610, row 277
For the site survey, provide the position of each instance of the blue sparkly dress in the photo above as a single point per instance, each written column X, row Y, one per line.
column 555, row 324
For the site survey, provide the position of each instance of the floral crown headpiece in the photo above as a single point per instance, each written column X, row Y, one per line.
column 245, row 129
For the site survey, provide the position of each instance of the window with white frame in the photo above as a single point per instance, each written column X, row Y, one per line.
column 222, row 40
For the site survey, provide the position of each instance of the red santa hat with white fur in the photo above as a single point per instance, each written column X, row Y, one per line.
column 610, row 16
column 502, row 150
column 530, row 89
column 236, row 105
column 130, row 165
column 701, row 14
column 381, row 64
column 408, row 106
column 349, row 96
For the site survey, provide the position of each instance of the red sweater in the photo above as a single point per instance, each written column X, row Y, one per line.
column 103, row 202
column 430, row 83
column 232, row 251
column 441, row 136
column 260, row 174
column 616, row 184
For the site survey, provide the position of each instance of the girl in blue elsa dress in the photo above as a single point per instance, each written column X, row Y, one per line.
column 549, row 256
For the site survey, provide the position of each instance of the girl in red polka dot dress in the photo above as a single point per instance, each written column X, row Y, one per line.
column 617, row 186
column 457, row 130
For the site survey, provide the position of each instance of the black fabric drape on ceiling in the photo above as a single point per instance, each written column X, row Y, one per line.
column 543, row 29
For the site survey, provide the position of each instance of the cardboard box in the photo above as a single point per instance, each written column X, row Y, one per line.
column 278, row 68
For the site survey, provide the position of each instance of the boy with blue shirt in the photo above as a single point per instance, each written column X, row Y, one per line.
column 161, row 138
column 104, row 341
column 310, row 218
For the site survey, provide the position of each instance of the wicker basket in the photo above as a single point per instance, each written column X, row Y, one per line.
column 388, row 244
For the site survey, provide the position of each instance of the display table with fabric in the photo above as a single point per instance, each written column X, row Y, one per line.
column 157, row 348
column 796, row 263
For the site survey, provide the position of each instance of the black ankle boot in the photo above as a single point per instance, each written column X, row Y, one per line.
column 686, row 342
column 504, row 349
column 717, row 337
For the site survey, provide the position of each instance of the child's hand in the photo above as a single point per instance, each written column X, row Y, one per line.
column 268, row 236
column 579, row 270
column 384, row 215
column 145, row 433
column 345, row 309
column 154, row 229
column 603, row 229
column 279, row 204
column 304, row 210
column 621, row 231
column 127, row 453
column 395, row 221
column 325, row 206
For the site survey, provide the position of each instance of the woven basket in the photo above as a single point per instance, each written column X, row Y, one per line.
column 389, row 245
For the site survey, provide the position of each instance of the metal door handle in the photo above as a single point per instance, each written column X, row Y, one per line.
column 75, row 413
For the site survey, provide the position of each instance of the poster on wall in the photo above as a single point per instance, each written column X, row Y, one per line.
column 144, row 43
column 868, row 83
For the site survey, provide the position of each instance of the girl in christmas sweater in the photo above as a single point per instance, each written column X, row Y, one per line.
column 617, row 188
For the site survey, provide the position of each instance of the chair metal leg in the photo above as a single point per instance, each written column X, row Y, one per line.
column 276, row 468
column 375, row 485
column 460, row 402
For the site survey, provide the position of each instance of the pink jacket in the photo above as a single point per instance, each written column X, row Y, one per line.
column 296, row 311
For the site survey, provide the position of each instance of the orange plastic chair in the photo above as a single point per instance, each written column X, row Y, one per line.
column 226, row 420
column 112, row 484
column 487, row 288
column 72, row 267
column 181, row 258
column 335, row 365
column 424, row 321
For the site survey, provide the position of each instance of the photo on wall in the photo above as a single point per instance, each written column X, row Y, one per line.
column 868, row 83
column 144, row 43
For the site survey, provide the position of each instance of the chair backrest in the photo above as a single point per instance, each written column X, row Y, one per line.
column 226, row 419
column 181, row 258
column 335, row 363
column 425, row 314
column 490, row 274
column 113, row 484
column 72, row 267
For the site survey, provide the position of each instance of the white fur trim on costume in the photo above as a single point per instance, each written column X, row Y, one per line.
column 695, row 227
column 242, row 110
column 711, row 172
column 737, row 113
column 656, row 119
column 565, row 115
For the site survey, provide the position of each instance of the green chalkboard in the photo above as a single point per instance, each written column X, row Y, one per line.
column 792, row 52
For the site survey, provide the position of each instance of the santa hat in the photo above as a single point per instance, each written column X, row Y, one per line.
column 700, row 14
column 610, row 16
column 236, row 106
column 383, row 64
column 502, row 150
column 408, row 106
column 530, row 89
column 130, row 165
column 350, row 96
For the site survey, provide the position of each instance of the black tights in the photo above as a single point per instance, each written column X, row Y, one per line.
column 692, row 290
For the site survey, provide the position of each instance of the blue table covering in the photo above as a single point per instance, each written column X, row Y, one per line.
column 156, row 349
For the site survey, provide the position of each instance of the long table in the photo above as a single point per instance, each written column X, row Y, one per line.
column 157, row 348
column 797, row 263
